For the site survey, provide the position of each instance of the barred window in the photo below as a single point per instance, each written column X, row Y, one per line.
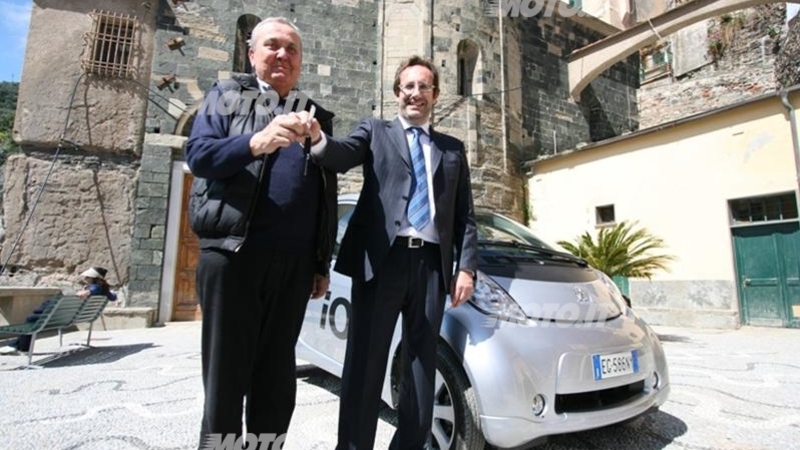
column 763, row 209
column 109, row 47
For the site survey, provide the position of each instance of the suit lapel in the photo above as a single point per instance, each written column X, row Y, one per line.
column 397, row 136
column 436, row 153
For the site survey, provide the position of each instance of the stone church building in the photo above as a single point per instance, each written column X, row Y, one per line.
column 109, row 90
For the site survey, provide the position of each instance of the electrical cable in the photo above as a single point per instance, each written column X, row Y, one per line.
column 162, row 108
column 61, row 141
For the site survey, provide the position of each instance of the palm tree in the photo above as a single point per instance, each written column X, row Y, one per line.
column 621, row 251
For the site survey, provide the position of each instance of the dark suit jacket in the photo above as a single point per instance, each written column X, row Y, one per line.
column 382, row 149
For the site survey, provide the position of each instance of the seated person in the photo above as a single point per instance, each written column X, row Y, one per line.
column 95, row 280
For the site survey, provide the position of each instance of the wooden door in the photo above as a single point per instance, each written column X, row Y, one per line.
column 184, row 299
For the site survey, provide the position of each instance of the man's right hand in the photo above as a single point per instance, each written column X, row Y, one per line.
column 313, row 127
column 282, row 131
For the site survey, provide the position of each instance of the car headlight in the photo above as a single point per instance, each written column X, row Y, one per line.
column 491, row 299
column 616, row 294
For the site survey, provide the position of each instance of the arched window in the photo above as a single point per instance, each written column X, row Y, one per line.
column 468, row 53
column 244, row 27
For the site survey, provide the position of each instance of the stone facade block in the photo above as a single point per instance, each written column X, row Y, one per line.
column 213, row 54
column 82, row 219
column 753, row 41
column 337, row 39
column 147, row 257
column 112, row 110
column 115, row 318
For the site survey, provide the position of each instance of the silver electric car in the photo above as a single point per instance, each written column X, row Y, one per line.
column 545, row 346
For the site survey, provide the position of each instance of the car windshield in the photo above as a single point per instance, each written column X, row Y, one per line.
column 516, row 240
column 495, row 228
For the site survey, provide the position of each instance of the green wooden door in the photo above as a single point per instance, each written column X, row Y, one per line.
column 768, row 271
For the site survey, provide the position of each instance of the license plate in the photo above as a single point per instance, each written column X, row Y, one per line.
column 615, row 364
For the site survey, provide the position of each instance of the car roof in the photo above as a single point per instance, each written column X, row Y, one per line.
column 349, row 197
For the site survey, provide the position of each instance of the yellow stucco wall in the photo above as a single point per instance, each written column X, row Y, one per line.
column 676, row 182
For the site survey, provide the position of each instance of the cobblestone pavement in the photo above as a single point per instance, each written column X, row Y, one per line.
column 141, row 389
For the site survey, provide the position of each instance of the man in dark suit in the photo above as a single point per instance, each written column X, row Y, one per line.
column 413, row 220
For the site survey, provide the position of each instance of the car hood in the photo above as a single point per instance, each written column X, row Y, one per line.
column 554, row 292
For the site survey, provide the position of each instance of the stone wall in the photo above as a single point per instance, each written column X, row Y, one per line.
column 102, row 113
column 750, row 39
column 339, row 58
column 552, row 122
column 70, row 206
column 476, row 118
column 787, row 70
column 686, row 303
column 81, row 219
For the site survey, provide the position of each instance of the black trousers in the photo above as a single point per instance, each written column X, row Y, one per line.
column 253, row 304
column 409, row 282
column 23, row 342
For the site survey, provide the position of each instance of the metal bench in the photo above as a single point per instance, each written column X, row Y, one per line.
column 91, row 310
column 60, row 312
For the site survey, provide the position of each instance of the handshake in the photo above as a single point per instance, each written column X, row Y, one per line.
column 284, row 130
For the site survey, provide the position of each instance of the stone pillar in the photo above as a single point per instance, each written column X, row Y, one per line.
column 149, row 226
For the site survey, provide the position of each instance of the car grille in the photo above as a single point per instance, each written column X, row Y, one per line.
column 597, row 400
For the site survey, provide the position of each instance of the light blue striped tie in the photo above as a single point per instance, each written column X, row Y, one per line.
column 419, row 213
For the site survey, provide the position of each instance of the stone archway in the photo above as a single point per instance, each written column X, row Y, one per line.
column 587, row 63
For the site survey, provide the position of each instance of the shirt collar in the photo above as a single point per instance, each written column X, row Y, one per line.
column 263, row 86
column 406, row 125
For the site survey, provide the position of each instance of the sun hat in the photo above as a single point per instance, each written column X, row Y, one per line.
column 94, row 272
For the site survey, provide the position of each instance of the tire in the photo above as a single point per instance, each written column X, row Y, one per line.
column 455, row 410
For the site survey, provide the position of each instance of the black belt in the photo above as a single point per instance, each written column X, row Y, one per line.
column 412, row 242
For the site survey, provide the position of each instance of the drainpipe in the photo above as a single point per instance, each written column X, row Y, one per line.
column 795, row 141
column 503, row 118
column 431, row 18
column 382, row 68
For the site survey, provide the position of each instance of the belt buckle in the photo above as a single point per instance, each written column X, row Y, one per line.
column 415, row 242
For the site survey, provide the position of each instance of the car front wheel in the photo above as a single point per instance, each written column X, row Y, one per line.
column 455, row 411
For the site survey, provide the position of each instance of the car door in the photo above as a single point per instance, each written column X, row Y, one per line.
column 324, row 332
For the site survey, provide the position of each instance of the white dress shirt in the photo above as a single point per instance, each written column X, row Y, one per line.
column 428, row 233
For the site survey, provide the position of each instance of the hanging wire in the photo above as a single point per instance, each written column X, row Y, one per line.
column 61, row 142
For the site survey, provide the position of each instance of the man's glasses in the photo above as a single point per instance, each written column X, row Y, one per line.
column 422, row 88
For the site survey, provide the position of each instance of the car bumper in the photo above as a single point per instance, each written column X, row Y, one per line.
column 508, row 364
column 510, row 432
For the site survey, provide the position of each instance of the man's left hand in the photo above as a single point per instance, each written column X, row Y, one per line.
column 462, row 288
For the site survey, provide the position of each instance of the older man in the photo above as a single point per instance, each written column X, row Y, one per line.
column 266, row 219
